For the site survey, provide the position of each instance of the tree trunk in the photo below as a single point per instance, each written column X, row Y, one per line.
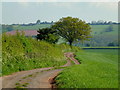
column 70, row 44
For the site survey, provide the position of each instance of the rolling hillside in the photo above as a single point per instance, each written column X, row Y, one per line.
column 6, row 28
column 100, row 29
column 102, row 35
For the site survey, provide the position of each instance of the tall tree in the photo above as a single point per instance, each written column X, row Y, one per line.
column 72, row 29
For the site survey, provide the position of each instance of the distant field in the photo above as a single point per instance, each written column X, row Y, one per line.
column 25, row 32
column 100, row 37
column 34, row 27
column 96, row 29
column 6, row 28
column 99, row 69
column 100, row 29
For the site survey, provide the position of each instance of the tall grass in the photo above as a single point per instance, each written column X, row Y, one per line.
column 20, row 53
column 98, row 69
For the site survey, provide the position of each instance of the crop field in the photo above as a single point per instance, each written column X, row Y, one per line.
column 98, row 69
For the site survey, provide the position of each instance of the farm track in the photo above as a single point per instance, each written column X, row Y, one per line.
column 36, row 78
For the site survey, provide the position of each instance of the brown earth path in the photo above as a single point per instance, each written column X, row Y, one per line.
column 36, row 78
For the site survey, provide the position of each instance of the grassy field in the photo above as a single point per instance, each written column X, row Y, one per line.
column 100, row 29
column 99, row 69
column 34, row 27
column 6, row 28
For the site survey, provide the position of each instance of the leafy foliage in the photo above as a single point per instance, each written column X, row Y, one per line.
column 47, row 34
column 72, row 29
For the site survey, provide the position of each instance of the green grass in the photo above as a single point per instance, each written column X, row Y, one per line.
column 34, row 27
column 18, row 85
column 20, row 53
column 19, row 27
column 99, row 69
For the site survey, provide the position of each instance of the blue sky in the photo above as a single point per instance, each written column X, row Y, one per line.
column 26, row 12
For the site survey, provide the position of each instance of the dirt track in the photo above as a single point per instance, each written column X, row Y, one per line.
column 36, row 78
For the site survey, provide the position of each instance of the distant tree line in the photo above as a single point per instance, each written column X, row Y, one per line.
column 37, row 23
column 101, row 22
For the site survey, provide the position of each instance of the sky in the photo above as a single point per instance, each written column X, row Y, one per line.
column 27, row 11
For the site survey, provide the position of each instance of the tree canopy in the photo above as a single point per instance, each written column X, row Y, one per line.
column 48, row 35
column 72, row 29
